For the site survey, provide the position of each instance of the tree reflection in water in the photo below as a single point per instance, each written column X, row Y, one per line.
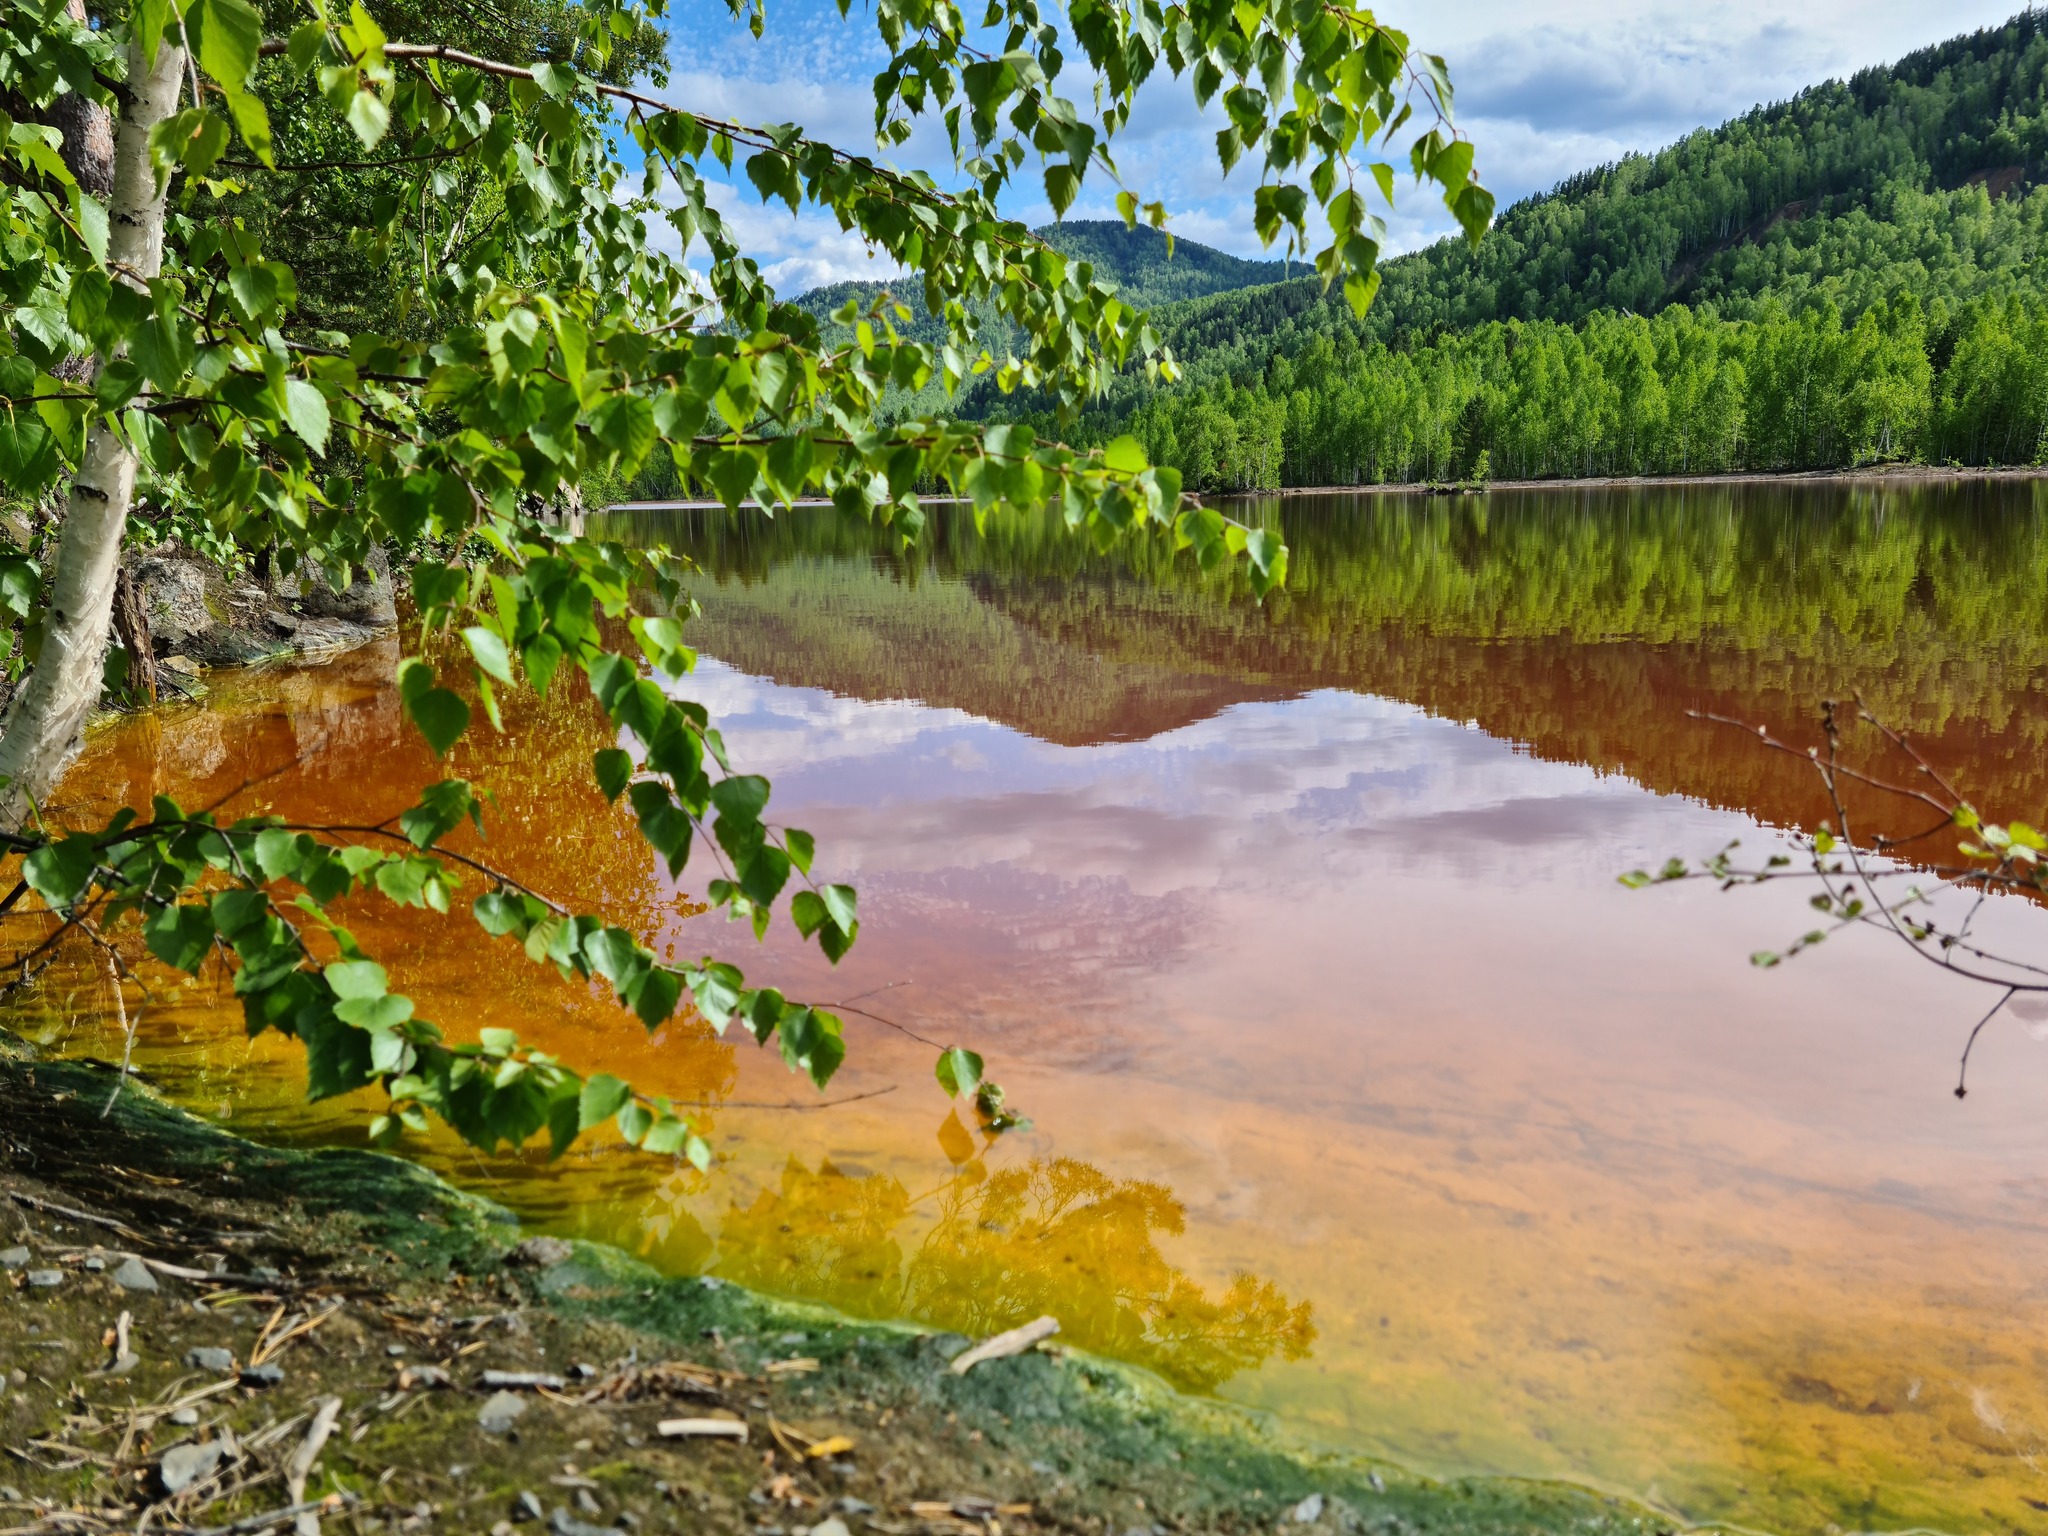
column 1048, row 1236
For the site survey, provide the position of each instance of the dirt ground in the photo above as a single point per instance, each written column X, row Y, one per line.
column 201, row 1334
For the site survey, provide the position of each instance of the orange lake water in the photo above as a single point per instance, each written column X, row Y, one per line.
column 1363, row 1094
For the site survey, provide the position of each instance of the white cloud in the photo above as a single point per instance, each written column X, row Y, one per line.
column 1544, row 90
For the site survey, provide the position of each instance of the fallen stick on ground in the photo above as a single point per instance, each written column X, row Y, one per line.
column 681, row 1429
column 300, row 1467
column 51, row 1207
column 1015, row 1342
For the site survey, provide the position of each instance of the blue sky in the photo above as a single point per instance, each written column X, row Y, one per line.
column 1544, row 87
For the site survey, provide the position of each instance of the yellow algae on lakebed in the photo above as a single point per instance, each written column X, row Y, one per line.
column 1473, row 1160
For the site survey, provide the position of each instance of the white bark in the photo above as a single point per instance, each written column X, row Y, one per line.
column 45, row 726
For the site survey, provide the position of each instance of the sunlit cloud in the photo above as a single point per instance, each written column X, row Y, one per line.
column 1544, row 90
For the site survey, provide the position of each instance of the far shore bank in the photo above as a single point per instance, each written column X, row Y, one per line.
column 1882, row 473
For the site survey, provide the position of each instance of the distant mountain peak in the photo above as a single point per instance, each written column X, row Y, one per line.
column 1135, row 260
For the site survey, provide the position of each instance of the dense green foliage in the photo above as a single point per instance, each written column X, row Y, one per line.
column 1858, row 191
column 1824, row 283
column 1683, row 392
column 521, row 336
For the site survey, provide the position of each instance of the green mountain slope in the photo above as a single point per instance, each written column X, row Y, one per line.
column 1853, row 275
column 1136, row 260
column 1917, row 177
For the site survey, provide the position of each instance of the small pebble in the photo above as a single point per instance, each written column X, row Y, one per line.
column 45, row 1279
column 1309, row 1509
column 581, row 1372
column 586, row 1501
column 95, row 1263
column 262, row 1375
column 14, row 1258
column 501, row 1410
column 527, row 1507
column 205, row 1358
column 394, row 1350
column 184, row 1465
column 185, row 1416
column 852, row 1506
column 133, row 1275
column 830, row 1526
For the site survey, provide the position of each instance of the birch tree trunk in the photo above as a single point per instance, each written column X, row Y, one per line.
column 45, row 725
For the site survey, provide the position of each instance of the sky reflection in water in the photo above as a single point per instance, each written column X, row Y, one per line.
column 1363, row 1093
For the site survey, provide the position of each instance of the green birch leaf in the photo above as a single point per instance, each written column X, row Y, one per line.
column 603, row 1096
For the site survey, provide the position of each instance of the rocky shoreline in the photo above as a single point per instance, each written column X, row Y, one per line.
column 200, row 1333
column 197, row 616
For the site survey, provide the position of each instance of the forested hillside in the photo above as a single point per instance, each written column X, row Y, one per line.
column 1146, row 271
column 1852, row 275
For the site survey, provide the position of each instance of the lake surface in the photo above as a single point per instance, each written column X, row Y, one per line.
column 1363, row 1093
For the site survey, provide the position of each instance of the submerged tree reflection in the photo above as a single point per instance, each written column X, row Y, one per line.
column 1051, row 1236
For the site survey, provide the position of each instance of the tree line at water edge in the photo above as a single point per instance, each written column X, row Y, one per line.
column 1682, row 392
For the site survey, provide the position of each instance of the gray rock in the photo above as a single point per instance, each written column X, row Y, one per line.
column 540, row 1253
column 947, row 1345
column 501, row 1410
column 262, row 1375
column 185, row 1416
column 586, row 1501
column 367, row 599
column 46, row 1279
column 528, row 1380
column 1379, row 1484
column 131, row 1274
column 1309, row 1510
column 394, row 1350
column 14, row 1258
column 832, row 1525
column 207, row 1358
column 184, row 1465
column 852, row 1506
column 94, row 1264
column 184, row 598
column 527, row 1507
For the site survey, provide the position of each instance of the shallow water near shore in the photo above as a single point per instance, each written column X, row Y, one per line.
column 1362, row 1092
